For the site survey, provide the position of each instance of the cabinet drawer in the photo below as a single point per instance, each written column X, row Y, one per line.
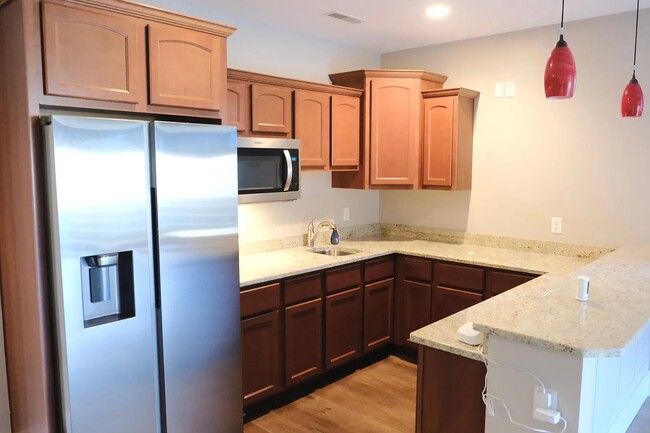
column 302, row 289
column 459, row 276
column 417, row 269
column 343, row 278
column 502, row 281
column 260, row 299
column 379, row 269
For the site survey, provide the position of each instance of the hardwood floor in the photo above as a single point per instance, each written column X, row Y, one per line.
column 379, row 398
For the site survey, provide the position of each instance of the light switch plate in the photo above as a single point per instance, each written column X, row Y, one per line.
column 499, row 90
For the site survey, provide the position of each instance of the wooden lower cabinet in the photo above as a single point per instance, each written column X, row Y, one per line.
column 498, row 281
column 378, row 314
column 261, row 363
column 303, row 341
column 450, row 301
column 343, row 323
column 449, row 389
column 412, row 310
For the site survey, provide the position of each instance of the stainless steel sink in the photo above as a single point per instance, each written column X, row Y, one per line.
column 333, row 251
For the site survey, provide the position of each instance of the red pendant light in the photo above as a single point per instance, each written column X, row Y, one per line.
column 560, row 73
column 632, row 100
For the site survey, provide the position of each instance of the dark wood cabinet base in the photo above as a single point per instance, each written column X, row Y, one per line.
column 449, row 393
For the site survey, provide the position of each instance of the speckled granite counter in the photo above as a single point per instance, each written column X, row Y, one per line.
column 544, row 312
column 262, row 267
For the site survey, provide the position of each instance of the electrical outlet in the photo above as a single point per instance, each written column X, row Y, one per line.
column 510, row 89
column 545, row 405
column 556, row 225
column 346, row 214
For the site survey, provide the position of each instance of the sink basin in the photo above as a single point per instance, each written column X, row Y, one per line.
column 333, row 251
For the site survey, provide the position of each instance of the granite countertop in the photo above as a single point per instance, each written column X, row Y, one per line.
column 258, row 268
column 542, row 312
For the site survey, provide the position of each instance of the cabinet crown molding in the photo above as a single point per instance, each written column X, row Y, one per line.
column 153, row 14
column 271, row 80
column 390, row 73
column 456, row 91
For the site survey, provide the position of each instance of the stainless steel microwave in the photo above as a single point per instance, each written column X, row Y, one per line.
column 268, row 169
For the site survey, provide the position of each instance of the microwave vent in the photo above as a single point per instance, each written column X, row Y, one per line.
column 344, row 17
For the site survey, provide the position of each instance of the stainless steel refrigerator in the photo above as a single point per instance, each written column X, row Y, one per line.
column 145, row 275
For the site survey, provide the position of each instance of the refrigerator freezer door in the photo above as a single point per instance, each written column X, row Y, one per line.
column 196, row 189
column 98, row 181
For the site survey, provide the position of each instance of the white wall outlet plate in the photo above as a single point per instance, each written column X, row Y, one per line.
column 511, row 90
column 556, row 225
column 346, row 214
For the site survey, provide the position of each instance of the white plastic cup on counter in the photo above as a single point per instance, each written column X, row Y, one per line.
column 582, row 292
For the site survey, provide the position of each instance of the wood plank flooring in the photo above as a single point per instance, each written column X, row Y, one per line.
column 377, row 399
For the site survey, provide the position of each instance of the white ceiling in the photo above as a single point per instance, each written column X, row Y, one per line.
column 393, row 25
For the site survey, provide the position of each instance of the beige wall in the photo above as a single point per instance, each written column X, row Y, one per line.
column 259, row 48
column 534, row 158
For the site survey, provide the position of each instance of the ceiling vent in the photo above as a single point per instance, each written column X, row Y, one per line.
column 344, row 17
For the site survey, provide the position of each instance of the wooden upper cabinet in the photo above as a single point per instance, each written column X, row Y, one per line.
column 391, row 134
column 271, row 109
column 238, row 112
column 312, row 128
column 92, row 54
column 439, row 132
column 448, row 132
column 186, row 68
column 345, row 127
column 394, row 139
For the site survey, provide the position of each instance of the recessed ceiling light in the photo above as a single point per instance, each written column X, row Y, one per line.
column 437, row 11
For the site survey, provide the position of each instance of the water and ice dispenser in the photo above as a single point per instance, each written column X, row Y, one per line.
column 107, row 287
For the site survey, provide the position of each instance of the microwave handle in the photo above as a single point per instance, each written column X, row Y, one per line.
column 287, row 157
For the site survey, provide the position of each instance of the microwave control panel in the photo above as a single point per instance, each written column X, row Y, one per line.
column 295, row 170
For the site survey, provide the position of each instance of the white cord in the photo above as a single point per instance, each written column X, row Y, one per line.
column 488, row 399
column 539, row 430
column 485, row 359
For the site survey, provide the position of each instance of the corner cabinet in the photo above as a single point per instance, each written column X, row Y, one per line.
column 391, row 137
column 448, row 138
column 129, row 57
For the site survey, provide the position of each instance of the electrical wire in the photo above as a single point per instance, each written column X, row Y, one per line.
column 485, row 358
column 488, row 399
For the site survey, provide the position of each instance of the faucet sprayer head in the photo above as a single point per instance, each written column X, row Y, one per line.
column 334, row 239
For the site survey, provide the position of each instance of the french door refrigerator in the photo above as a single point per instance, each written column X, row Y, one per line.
column 144, row 263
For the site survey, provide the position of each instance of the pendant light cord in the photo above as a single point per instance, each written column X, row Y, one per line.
column 636, row 37
column 562, row 21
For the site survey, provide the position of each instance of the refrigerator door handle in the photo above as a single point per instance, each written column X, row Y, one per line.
column 287, row 158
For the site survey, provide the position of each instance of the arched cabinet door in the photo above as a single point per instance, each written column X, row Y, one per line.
column 92, row 54
column 186, row 68
column 394, row 136
column 346, row 118
column 312, row 128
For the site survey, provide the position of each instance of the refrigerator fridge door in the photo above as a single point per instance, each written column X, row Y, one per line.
column 196, row 191
column 98, row 180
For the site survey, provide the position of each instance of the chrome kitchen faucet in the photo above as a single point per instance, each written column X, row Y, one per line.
column 312, row 233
